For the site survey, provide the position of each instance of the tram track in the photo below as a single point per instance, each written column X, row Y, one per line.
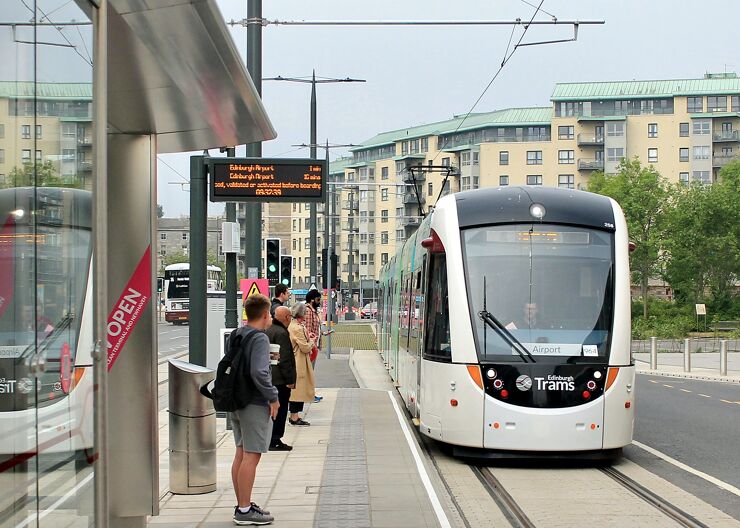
column 506, row 503
column 667, row 508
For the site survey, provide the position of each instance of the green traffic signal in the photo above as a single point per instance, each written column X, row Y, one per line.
column 285, row 281
column 272, row 268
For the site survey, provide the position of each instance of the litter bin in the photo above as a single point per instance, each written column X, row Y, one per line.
column 192, row 430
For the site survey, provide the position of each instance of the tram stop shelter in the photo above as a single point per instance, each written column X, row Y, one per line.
column 167, row 78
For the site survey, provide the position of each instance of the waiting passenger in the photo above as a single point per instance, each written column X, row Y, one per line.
column 305, row 386
column 283, row 374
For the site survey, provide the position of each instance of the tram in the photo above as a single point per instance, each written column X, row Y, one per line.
column 46, row 327
column 505, row 323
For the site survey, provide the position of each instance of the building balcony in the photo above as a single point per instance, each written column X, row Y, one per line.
column 724, row 136
column 720, row 160
column 84, row 142
column 408, row 177
column 586, row 140
column 349, row 205
column 410, row 221
column 411, row 198
column 84, row 166
column 590, row 164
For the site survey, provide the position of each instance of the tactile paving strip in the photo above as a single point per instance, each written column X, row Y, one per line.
column 344, row 496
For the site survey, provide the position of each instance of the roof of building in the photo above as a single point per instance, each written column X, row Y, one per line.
column 711, row 84
column 530, row 116
column 339, row 164
column 42, row 90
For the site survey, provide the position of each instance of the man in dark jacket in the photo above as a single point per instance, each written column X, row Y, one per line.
column 283, row 374
column 281, row 296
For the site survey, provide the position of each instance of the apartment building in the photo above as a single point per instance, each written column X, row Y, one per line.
column 688, row 129
column 173, row 237
column 47, row 122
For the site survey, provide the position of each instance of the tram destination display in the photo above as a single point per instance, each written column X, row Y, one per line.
column 267, row 180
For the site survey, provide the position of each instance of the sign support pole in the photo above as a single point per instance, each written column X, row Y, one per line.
column 198, row 263
column 231, row 318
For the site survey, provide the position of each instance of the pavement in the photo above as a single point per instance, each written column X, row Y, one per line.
column 353, row 467
column 704, row 366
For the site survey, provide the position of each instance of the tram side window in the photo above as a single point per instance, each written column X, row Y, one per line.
column 437, row 320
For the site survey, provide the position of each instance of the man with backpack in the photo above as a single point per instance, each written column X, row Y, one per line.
column 252, row 424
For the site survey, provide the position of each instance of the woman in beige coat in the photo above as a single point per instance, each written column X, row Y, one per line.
column 305, row 385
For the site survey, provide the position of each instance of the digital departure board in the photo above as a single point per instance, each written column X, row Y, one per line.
column 267, row 180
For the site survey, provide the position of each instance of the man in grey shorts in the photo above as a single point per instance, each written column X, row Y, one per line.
column 253, row 424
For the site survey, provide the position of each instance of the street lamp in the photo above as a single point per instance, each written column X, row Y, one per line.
column 324, row 80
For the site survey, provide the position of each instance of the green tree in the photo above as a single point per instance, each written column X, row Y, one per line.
column 643, row 195
column 703, row 248
column 160, row 211
column 182, row 256
column 39, row 174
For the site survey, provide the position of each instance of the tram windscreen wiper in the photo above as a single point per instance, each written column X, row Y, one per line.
column 490, row 319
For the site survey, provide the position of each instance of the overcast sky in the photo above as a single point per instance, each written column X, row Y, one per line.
column 417, row 75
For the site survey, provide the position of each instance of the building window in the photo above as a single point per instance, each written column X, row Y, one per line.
column 701, row 176
column 39, row 131
column 566, row 181
column 503, row 157
column 404, row 148
column 652, row 155
column 414, row 146
column 306, row 224
column 683, row 154
column 2, row 131
column 384, row 173
column 400, row 235
column 717, row 103
column 701, row 128
column 430, row 190
column 683, row 129
column 25, row 131
column 384, row 237
column 465, row 159
column 295, row 208
column 465, row 183
column 614, row 154
column 701, row 152
column 306, row 243
column 735, row 104
column 445, row 162
column 683, row 178
column 384, row 194
column 615, row 129
column 534, row 157
column 384, row 216
column 2, row 155
column 39, row 156
column 383, row 259
column 534, row 179
column 565, row 132
column 503, row 180
column 295, row 241
column 476, row 158
column 425, row 144
column 566, row 157
column 652, row 130
column 694, row 104
column 26, row 156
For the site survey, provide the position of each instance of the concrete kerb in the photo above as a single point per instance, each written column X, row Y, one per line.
column 708, row 376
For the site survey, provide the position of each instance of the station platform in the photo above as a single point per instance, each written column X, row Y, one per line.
column 356, row 465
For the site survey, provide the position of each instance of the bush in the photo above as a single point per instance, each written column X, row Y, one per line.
column 665, row 320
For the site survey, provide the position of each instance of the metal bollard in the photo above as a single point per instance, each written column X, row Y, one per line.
column 723, row 357
column 687, row 355
column 653, row 353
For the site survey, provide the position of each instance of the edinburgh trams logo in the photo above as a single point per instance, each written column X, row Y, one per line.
column 524, row 382
column 556, row 383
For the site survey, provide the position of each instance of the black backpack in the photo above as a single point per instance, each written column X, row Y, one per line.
column 233, row 386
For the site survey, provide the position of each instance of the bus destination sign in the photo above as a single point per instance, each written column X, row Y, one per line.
column 267, row 180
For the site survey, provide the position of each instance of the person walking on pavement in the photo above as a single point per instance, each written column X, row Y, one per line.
column 313, row 326
column 283, row 374
column 305, row 386
column 281, row 297
column 252, row 425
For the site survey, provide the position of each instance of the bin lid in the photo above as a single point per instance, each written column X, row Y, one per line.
column 185, row 381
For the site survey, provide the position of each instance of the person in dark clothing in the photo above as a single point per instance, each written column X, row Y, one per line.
column 281, row 296
column 283, row 374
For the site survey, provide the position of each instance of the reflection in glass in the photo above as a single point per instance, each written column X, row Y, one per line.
column 46, row 448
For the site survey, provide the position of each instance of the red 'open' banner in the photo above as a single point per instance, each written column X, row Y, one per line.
column 128, row 309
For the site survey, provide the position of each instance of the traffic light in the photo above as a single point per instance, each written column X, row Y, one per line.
column 160, row 284
column 286, row 270
column 272, row 260
column 334, row 268
column 333, row 262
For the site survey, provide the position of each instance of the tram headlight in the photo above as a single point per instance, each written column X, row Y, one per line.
column 537, row 211
column 18, row 213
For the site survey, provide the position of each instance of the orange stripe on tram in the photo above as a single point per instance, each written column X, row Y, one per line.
column 474, row 371
column 610, row 377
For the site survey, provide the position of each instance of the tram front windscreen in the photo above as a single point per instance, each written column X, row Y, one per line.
column 545, row 290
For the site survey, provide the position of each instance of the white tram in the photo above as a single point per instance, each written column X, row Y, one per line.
column 505, row 322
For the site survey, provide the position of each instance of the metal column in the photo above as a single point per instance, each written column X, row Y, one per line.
column 198, row 261
column 653, row 353
column 723, row 357
column 252, row 210
column 313, row 228
column 687, row 355
column 231, row 286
